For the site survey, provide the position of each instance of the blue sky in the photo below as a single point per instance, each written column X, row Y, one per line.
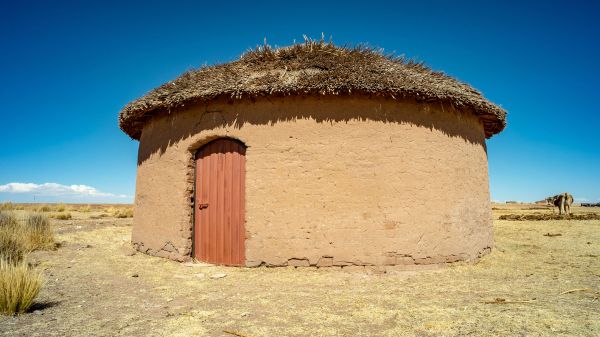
column 67, row 68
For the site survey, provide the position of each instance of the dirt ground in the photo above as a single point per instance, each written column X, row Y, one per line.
column 537, row 283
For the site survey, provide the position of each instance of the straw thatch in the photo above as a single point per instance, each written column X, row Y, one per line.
column 311, row 68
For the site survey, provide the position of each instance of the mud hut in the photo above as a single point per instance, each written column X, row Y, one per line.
column 313, row 155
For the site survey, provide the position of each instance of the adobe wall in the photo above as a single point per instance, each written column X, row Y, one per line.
column 329, row 181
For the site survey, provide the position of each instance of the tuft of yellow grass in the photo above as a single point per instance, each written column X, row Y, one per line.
column 85, row 209
column 20, row 283
column 7, row 206
column 44, row 208
column 120, row 212
column 61, row 216
column 19, row 286
column 39, row 232
column 13, row 247
column 7, row 219
column 32, row 233
column 123, row 213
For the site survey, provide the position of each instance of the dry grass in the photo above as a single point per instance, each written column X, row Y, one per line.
column 39, row 232
column 531, row 284
column 44, row 208
column 20, row 284
column 61, row 216
column 52, row 208
column 7, row 219
column 32, row 232
column 121, row 212
column 9, row 206
column 85, row 209
column 13, row 245
column 65, row 212
column 501, row 209
column 546, row 216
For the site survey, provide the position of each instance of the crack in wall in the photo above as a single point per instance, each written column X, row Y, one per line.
column 168, row 250
column 395, row 259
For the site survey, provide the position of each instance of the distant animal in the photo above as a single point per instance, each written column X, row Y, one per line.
column 563, row 201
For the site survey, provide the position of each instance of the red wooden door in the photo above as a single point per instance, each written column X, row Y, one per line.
column 219, row 215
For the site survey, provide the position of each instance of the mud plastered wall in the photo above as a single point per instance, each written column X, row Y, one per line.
column 332, row 181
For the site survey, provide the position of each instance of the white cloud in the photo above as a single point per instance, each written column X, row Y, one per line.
column 56, row 190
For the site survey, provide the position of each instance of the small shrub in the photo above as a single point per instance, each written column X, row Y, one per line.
column 26, row 207
column 7, row 220
column 123, row 213
column 40, row 233
column 85, row 209
column 44, row 208
column 12, row 239
column 7, row 206
column 19, row 286
column 12, row 245
column 60, row 208
column 38, row 221
column 61, row 216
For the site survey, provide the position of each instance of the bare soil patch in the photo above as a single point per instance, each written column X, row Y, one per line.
column 530, row 285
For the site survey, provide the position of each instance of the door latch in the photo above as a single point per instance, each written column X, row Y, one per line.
column 203, row 206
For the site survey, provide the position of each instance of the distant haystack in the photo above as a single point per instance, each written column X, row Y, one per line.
column 313, row 154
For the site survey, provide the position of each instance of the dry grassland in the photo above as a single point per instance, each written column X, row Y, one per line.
column 542, row 279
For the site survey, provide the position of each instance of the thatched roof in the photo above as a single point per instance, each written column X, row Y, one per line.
column 311, row 68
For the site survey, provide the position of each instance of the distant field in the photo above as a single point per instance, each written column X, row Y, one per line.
column 541, row 279
column 71, row 211
column 501, row 209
